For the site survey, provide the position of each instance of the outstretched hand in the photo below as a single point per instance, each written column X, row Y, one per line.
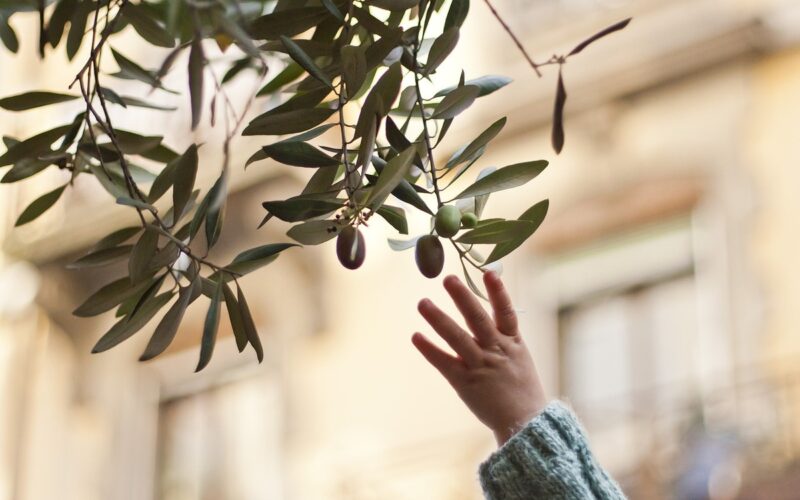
column 492, row 371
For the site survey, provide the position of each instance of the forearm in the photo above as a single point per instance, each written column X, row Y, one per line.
column 549, row 459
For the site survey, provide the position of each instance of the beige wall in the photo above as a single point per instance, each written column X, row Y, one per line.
column 361, row 414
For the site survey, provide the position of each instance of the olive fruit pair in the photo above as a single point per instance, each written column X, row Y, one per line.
column 449, row 220
column 350, row 247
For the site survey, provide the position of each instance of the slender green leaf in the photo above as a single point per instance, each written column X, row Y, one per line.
column 496, row 232
column 535, row 215
column 394, row 172
column 455, row 102
column 127, row 326
column 144, row 24
column 34, row 146
column 505, row 178
column 312, row 232
column 557, row 135
column 196, row 63
column 110, row 296
column 253, row 259
column 77, row 28
column 354, row 68
column 39, row 206
column 7, row 35
column 395, row 216
column 250, row 326
column 486, row 84
column 235, row 317
column 287, row 22
column 141, row 255
column 290, row 122
column 36, row 99
column 162, row 182
column 300, row 208
column 102, row 257
column 477, row 143
column 210, row 328
column 457, row 14
column 299, row 154
column 301, row 58
column 441, row 48
column 185, row 174
column 289, row 74
column 168, row 326
column 600, row 34
column 233, row 30
column 117, row 237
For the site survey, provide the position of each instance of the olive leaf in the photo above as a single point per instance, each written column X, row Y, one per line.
column 287, row 22
column 143, row 252
column 300, row 208
column 30, row 100
column 210, row 327
column 252, row 259
column 39, row 206
column 146, row 26
column 395, row 216
column 496, row 232
column 312, row 232
column 290, row 122
column 477, row 144
column 110, row 296
column 33, row 146
column 286, row 76
column 249, row 325
column 168, row 326
column 441, row 48
column 185, row 174
column 196, row 63
column 394, row 172
column 600, row 34
column 235, row 317
column 557, row 135
column 101, row 257
column 486, row 85
column 301, row 58
column 505, row 178
column 130, row 324
column 354, row 68
column 535, row 215
column 298, row 154
column 456, row 102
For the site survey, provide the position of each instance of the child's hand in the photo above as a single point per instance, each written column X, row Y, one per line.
column 493, row 372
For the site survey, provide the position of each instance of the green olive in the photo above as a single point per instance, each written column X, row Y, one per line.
column 448, row 221
column 350, row 247
column 469, row 220
column 429, row 255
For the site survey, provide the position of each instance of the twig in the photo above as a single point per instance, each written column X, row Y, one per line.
column 514, row 38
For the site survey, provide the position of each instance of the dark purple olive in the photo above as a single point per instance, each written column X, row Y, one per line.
column 430, row 256
column 350, row 247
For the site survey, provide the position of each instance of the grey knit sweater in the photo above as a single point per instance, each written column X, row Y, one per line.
column 548, row 459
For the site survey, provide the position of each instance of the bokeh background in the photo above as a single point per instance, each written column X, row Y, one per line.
column 661, row 297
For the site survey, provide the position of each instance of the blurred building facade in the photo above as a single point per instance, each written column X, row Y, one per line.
column 660, row 296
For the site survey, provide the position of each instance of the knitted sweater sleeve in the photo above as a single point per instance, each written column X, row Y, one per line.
column 548, row 459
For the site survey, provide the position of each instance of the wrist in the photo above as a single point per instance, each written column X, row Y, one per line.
column 503, row 433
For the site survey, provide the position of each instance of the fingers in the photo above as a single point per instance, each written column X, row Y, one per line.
column 478, row 321
column 442, row 361
column 504, row 315
column 455, row 336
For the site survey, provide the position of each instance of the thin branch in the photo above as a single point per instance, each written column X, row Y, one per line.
column 514, row 38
